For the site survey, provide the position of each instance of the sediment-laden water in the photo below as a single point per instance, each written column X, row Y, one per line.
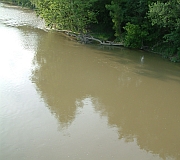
column 63, row 100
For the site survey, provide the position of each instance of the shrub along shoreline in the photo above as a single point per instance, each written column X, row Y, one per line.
column 143, row 24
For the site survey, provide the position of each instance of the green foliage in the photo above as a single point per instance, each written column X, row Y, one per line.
column 117, row 14
column 24, row 3
column 124, row 11
column 74, row 15
column 134, row 35
column 104, row 23
column 167, row 16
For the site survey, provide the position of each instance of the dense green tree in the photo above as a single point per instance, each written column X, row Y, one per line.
column 103, row 18
column 127, row 11
column 166, row 15
column 72, row 15
column 117, row 13
column 134, row 36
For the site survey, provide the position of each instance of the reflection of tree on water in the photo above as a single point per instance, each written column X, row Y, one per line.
column 65, row 75
column 156, row 130
column 57, row 96
column 50, row 84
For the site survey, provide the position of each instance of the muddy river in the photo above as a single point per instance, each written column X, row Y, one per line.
column 62, row 100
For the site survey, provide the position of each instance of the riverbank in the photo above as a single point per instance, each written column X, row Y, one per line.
column 88, row 38
column 26, row 5
column 86, row 30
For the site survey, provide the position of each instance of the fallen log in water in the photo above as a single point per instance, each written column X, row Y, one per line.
column 85, row 38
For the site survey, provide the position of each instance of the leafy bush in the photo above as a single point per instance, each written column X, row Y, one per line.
column 134, row 36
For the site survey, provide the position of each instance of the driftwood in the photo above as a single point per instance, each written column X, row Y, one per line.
column 88, row 39
column 85, row 38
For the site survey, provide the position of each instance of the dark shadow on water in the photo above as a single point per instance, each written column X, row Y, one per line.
column 153, row 65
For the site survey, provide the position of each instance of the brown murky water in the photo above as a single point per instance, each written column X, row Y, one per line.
column 63, row 100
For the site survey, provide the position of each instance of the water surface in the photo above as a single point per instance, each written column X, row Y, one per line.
column 63, row 100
